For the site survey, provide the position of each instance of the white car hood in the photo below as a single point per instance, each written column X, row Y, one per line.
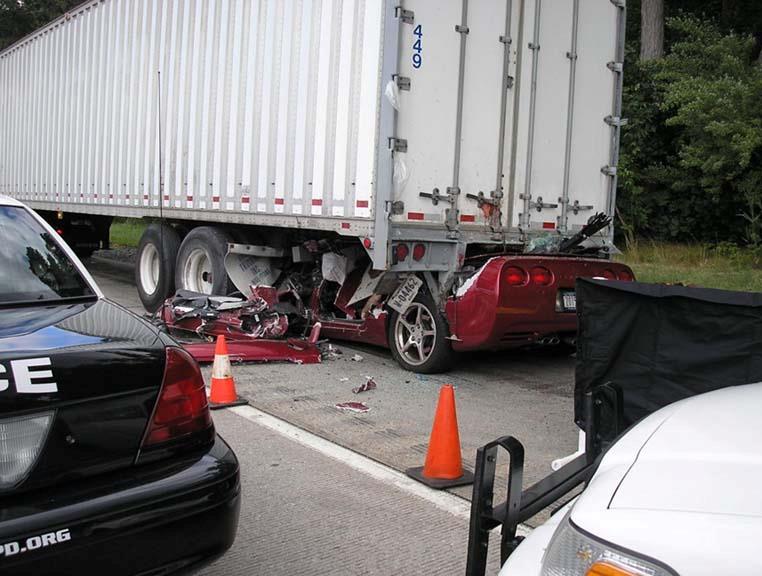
column 684, row 486
column 706, row 458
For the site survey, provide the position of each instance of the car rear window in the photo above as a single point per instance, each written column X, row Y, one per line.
column 32, row 266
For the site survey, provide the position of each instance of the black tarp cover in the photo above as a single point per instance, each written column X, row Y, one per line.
column 660, row 343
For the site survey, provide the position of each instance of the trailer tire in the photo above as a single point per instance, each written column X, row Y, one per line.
column 155, row 264
column 201, row 261
column 418, row 338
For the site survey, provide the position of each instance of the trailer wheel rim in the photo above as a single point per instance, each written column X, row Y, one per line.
column 150, row 264
column 197, row 272
column 415, row 334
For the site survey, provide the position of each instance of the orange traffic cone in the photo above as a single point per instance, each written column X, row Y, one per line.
column 223, row 392
column 443, row 467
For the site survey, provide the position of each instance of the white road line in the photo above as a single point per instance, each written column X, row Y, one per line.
column 450, row 503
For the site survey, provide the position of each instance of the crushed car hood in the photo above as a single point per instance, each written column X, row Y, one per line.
column 705, row 458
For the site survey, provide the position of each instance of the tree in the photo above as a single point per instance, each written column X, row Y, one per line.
column 21, row 17
column 651, row 29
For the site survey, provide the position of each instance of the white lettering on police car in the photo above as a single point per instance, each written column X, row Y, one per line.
column 25, row 377
column 34, row 542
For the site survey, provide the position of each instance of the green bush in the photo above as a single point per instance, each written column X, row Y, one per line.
column 692, row 154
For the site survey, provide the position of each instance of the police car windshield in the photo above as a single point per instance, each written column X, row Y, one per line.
column 33, row 267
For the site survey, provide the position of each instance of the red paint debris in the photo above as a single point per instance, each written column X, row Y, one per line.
column 369, row 385
column 360, row 407
column 293, row 350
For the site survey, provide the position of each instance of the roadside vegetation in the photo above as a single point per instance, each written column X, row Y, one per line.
column 723, row 266
column 125, row 232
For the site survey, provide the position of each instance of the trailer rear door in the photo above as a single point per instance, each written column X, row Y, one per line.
column 535, row 133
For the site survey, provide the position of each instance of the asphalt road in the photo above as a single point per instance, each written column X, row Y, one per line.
column 313, row 511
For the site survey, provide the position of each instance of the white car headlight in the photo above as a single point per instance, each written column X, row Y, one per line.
column 574, row 553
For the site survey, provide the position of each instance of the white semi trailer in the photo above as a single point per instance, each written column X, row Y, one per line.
column 428, row 140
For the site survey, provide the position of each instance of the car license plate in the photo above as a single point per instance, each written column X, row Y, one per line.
column 569, row 301
column 405, row 294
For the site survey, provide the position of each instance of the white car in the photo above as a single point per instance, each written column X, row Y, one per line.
column 680, row 494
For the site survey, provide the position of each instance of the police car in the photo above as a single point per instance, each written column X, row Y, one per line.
column 679, row 493
column 109, row 461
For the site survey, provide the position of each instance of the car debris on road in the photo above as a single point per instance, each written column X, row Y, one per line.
column 256, row 327
column 359, row 407
column 370, row 384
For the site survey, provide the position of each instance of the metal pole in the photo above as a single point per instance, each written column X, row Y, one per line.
column 534, row 46
column 505, row 86
column 516, row 105
column 617, row 68
column 454, row 191
column 572, row 56
column 383, row 192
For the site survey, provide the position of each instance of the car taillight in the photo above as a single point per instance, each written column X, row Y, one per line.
column 515, row 276
column 401, row 252
column 419, row 251
column 609, row 275
column 541, row 276
column 182, row 407
column 21, row 440
column 626, row 276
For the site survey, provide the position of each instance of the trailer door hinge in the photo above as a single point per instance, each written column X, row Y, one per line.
column 403, row 82
column 615, row 66
column 398, row 144
column 461, row 29
column 539, row 204
column 407, row 16
column 481, row 199
column 576, row 207
column 395, row 208
column 608, row 170
column 615, row 121
column 436, row 196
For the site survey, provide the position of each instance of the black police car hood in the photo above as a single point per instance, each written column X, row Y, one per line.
column 96, row 368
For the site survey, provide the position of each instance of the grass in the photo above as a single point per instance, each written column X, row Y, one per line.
column 125, row 232
column 723, row 266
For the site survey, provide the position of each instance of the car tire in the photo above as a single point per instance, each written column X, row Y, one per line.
column 201, row 262
column 155, row 264
column 418, row 338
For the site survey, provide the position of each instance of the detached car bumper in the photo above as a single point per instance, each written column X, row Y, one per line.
column 155, row 519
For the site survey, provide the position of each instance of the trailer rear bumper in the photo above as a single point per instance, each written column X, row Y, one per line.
column 518, row 300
